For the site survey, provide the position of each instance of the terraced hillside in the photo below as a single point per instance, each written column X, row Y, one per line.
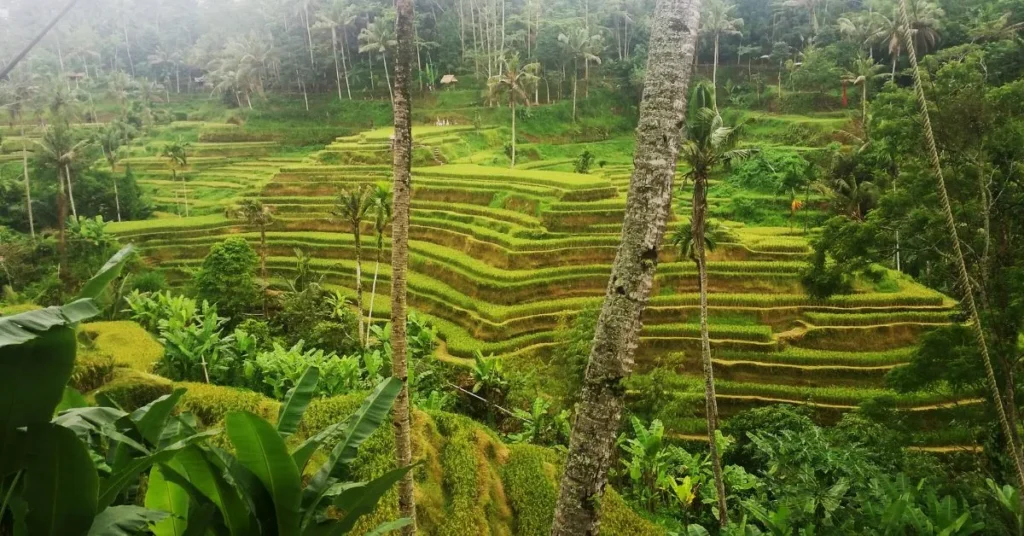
column 501, row 259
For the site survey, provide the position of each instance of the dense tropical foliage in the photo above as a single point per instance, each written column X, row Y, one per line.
column 692, row 267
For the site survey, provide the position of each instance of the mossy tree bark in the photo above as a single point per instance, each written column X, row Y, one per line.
column 662, row 115
column 1003, row 410
column 401, row 171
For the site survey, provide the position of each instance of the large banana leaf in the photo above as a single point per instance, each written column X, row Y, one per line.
column 166, row 496
column 32, row 379
column 361, row 500
column 358, row 427
column 389, row 526
column 214, row 501
column 124, row 520
column 205, row 484
column 127, row 471
column 296, row 402
column 106, row 274
column 151, row 419
column 260, row 449
column 21, row 328
column 37, row 353
column 60, row 484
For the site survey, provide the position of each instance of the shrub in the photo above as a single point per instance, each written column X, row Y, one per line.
column 766, row 171
column 211, row 403
column 572, row 352
column 196, row 347
column 302, row 310
column 530, row 491
column 257, row 329
column 92, row 370
column 337, row 337
column 227, row 278
column 583, row 162
column 276, row 371
column 131, row 389
column 148, row 281
column 126, row 343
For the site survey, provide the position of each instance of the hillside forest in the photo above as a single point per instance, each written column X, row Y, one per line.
column 511, row 267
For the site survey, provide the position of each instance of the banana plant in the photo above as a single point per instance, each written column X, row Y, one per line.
column 258, row 488
column 1009, row 499
column 48, row 479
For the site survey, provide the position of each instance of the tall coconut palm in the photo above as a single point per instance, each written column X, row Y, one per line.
column 857, row 28
column 401, row 168
column 60, row 152
column 923, row 29
column 351, row 207
column 965, row 284
column 648, row 203
column 864, row 71
column 380, row 210
column 110, row 139
column 888, row 34
column 682, row 238
column 176, row 154
column 580, row 44
column 514, row 80
column 376, row 38
column 710, row 144
column 258, row 215
column 168, row 61
column 812, row 11
column 926, row 21
column 335, row 15
column 717, row 21
column 19, row 92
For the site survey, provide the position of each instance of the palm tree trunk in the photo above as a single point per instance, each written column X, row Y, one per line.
column 309, row 33
column 575, row 79
column 586, row 78
column 864, row 104
column 344, row 65
column 387, row 77
column 698, row 230
column 662, row 111
column 714, row 73
column 963, row 279
column 71, row 191
column 127, row 44
column 263, row 265
column 513, row 131
column 334, row 48
column 372, row 88
column 359, row 279
column 373, row 287
column 28, row 190
column 117, row 198
column 184, row 193
column 401, row 167
column 419, row 67
column 62, row 219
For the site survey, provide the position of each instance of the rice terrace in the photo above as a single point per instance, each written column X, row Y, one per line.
column 694, row 267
